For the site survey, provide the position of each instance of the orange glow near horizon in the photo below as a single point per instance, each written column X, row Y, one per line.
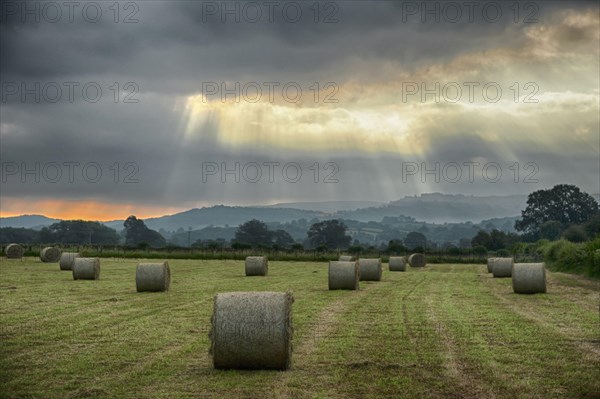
column 82, row 209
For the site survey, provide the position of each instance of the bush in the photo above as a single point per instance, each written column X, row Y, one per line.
column 575, row 234
column 581, row 258
column 503, row 253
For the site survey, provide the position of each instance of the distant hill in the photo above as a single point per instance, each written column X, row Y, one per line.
column 221, row 215
column 35, row 222
column 328, row 206
column 430, row 208
column 444, row 208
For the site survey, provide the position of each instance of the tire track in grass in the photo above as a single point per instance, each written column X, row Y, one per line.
column 405, row 318
column 590, row 351
column 470, row 385
column 327, row 324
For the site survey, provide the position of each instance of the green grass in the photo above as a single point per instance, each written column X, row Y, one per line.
column 444, row 331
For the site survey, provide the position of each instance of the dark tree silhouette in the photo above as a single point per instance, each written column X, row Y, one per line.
column 139, row 235
column 563, row 203
column 330, row 234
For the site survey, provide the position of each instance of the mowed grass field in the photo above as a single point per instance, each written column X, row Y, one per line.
column 445, row 331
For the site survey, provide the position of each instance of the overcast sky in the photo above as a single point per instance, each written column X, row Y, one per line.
column 358, row 97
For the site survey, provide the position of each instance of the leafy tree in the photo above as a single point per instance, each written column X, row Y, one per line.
column 575, row 234
column 482, row 239
column 592, row 227
column 355, row 249
column 282, row 239
column 20, row 235
column 329, row 234
column 551, row 230
column 79, row 232
column 137, row 234
column 396, row 247
column 415, row 240
column 253, row 232
column 563, row 203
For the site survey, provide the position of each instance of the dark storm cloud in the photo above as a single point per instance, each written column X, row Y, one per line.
column 174, row 47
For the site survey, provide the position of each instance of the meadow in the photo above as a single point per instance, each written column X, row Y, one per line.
column 444, row 331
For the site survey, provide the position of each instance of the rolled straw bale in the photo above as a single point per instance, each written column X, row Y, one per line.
column 67, row 259
column 343, row 275
column 529, row 278
column 152, row 277
column 13, row 251
column 346, row 258
column 397, row 263
column 257, row 266
column 417, row 260
column 50, row 254
column 490, row 264
column 369, row 269
column 86, row 269
column 252, row 330
column 502, row 267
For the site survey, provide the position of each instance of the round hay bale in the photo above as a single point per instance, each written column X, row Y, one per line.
column 50, row 254
column 417, row 260
column 346, row 258
column 86, row 269
column 257, row 266
column 529, row 278
column 397, row 264
column 369, row 269
column 67, row 259
column 152, row 277
column 343, row 275
column 502, row 267
column 13, row 251
column 490, row 264
column 252, row 330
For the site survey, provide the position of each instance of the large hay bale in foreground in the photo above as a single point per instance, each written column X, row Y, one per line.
column 397, row 263
column 343, row 275
column 50, row 254
column 369, row 269
column 346, row 258
column 13, row 251
column 490, row 264
column 257, row 266
column 417, row 260
column 252, row 330
column 502, row 267
column 86, row 269
column 67, row 260
column 152, row 277
column 529, row 278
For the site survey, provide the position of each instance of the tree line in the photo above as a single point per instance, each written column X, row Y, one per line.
column 563, row 211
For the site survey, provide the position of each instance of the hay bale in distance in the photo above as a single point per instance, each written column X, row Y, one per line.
column 397, row 263
column 13, row 251
column 490, row 264
column 50, row 254
column 343, row 275
column 369, row 269
column 86, row 269
column 67, row 260
column 346, row 258
column 502, row 267
column 529, row 278
column 257, row 266
column 152, row 277
column 252, row 330
column 417, row 260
